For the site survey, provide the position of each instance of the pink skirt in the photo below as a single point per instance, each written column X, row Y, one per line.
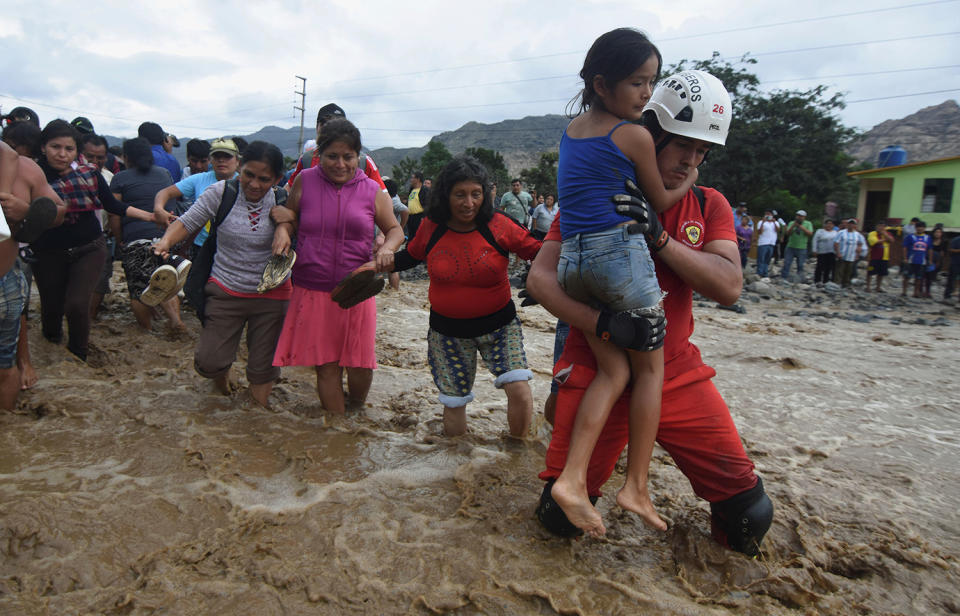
column 316, row 331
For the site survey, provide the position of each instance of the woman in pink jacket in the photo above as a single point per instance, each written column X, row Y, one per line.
column 335, row 207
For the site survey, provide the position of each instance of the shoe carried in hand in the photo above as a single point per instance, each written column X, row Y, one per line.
column 276, row 271
column 359, row 285
column 163, row 285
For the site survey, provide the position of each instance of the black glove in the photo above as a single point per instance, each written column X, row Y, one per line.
column 631, row 331
column 635, row 205
column 528, row 300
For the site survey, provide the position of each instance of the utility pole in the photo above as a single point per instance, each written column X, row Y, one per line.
column 303, row 103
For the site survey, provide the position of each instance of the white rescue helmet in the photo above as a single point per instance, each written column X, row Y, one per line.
column 692, row 104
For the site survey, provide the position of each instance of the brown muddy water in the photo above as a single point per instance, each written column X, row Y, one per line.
column 127, row 486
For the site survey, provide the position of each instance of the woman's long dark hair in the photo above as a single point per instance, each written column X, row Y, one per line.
column 460, row 169
column 614, row 56
column 341, row 130
column 263, row 152
column 137, row 154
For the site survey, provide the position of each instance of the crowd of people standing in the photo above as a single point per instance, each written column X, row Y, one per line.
column 839, row 247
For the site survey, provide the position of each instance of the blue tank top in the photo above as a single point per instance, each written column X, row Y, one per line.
column 589, row 173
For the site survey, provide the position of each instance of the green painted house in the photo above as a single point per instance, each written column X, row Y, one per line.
column 929, row 190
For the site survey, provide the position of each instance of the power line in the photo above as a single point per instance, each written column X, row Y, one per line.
column 865, row 74
column 515, row 81
column 809, row 19
column 839, row 45
column 884, row 98
column 689, row 36
column 463, row 87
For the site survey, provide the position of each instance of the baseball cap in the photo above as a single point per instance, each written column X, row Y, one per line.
column 330, row 110
column 801, row 212
column 22, row 114
column 83, row 125
column 227, row 146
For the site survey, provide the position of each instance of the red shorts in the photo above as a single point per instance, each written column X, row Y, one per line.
column 695, row 428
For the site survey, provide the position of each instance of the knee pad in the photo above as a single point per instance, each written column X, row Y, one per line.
column 740, row 522
column 552, row 516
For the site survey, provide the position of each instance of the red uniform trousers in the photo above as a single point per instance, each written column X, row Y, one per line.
column 695, row 428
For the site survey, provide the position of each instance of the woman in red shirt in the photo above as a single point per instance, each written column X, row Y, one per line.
column 466, row 246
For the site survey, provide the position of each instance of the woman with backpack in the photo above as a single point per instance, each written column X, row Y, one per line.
column 466, row 246
column 241, row 240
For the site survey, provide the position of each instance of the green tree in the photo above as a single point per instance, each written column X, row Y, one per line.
column 493, row 161
column 434, row 159
column 543, row 177
column 402, row 171
column 784, row 140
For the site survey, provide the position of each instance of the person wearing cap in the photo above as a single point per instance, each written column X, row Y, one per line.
column 21, row 114
column 109, row 163
column 93, row 149
column 848, row 246
column 23, row 137
column 311, row 158
column 700, row 254
column 226, row 161
column 153, row 133
column 879, row 241
column 798, row 234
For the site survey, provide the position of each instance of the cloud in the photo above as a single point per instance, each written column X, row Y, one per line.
column 229, row 67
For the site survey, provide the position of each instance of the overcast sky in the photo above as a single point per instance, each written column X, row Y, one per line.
column 405, row 74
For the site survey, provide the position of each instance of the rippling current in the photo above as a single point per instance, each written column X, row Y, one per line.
column 127, row 486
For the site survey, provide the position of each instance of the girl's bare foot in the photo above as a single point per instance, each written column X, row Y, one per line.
column 578, row 508
column 28, row 376
column 638, row 501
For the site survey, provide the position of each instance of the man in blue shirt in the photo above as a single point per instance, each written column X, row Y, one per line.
column 916, row 247
column 225, row 158
column 155, row 135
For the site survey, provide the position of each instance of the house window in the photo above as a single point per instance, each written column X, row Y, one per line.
column 937, row 195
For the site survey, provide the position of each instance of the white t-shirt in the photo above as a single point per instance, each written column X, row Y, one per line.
column 768, row 231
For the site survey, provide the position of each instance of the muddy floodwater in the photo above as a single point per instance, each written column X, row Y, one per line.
column 127, row 486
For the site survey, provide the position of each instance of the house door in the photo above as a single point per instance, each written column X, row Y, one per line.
column 878, row 208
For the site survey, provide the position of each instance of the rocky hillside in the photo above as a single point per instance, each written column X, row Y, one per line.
column 931, row 133
column 519, row 141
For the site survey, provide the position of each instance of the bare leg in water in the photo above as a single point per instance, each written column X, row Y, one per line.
column 647, row 373
column 570, row 489
column 28, row 376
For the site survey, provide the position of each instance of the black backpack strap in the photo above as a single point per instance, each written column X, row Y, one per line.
column 482, row 228
column 231, row 188
column 488, row 235
column 434, row 238
column 280, row 195
column 701, row 198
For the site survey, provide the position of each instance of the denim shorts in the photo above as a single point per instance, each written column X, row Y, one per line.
column 611, row 268
column 13, row 292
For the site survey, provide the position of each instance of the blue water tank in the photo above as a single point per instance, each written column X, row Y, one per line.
column 891, row 156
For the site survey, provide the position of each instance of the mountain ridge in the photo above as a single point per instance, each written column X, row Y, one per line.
column 930, row 133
